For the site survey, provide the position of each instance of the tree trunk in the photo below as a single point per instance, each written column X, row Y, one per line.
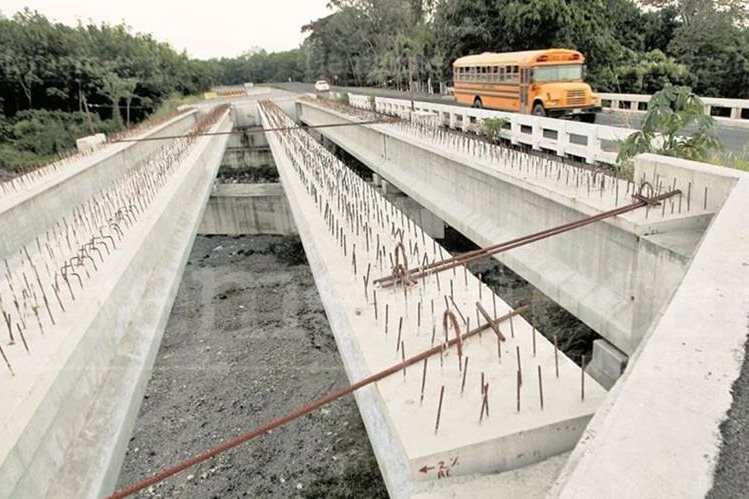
column 27, row 91
column 127, row 110
column 88, row 114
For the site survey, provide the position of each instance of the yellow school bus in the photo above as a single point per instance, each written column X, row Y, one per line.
column 541, row 82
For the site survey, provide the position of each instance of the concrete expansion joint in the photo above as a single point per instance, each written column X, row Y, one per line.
column 500, row 401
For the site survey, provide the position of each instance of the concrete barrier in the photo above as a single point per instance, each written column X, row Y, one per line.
column 593, row 143
column 736, row 109
column 90, row 143
column 240, row 209
column 29, row 213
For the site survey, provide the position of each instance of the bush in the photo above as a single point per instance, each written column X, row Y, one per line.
column 492, row 128
column 36, row 136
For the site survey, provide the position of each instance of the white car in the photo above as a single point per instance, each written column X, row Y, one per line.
column 322, row 86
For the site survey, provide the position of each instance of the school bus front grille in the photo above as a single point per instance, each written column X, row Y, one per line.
column 576, row 97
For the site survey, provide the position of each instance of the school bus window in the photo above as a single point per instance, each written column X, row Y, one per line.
column 558, row 73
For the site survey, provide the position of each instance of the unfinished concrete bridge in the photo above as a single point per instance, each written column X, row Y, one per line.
column 94, row 248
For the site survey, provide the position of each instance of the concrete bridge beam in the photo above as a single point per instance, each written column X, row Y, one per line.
column 615, row 275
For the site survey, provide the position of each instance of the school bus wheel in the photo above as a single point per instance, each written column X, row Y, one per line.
column 477, row 103
column 538, row 109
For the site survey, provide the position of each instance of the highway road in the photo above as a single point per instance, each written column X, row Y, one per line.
column 735, row 139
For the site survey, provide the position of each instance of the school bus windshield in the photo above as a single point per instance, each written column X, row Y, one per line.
column 565, row 72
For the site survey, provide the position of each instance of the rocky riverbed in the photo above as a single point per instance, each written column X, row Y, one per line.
column 248, row 341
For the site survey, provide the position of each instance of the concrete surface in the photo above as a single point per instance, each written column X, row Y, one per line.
column 399, row 425
column 29, row 213
column 71, row 404
column 239, row 209
column 658, row 434
column 90, row 143
column 529, row 482
column 604, row 273
column 607, row 363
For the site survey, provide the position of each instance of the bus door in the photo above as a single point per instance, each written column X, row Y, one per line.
column 524, row 80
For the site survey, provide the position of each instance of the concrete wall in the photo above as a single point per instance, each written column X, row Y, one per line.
column 74, row 425
column 241, row 157
column 602, row 273
column 239, row 209
column 31, row 212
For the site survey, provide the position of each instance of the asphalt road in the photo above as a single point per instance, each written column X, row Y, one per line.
column 735, row 139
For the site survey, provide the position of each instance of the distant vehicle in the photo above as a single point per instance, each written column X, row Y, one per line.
column 322, row 86
column 540, row 82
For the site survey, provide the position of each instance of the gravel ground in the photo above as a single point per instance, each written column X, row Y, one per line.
column 733, row 462
column 248, row 341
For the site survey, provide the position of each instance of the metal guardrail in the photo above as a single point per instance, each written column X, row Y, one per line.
column 730, row 111
column 593, row 143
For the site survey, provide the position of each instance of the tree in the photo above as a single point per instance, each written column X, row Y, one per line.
column 691, row 10
column 128, row 88
column 712, row 47
column 650, row 72
column 664, row 129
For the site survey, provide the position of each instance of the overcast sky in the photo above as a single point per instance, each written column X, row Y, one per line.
column 204, row 28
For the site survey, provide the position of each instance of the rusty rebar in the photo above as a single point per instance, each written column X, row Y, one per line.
column 471, row 256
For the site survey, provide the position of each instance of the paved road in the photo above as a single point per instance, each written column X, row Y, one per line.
column 735, row 139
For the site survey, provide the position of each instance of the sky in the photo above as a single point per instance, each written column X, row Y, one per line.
column 224, row 28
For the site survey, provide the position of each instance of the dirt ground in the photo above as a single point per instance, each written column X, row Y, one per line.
column 247, row 341
column 732, row 468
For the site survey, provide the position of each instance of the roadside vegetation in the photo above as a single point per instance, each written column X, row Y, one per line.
column 675, row 125
column 58, row 83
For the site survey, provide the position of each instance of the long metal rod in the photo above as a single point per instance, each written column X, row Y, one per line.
column 303, row 410
column 257, row 130
column 465, row 258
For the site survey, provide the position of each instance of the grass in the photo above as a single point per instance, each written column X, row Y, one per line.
column 172, row 103
column 737, row 161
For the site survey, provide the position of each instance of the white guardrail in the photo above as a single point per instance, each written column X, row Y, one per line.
column 593, row 143
column 729, row 111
